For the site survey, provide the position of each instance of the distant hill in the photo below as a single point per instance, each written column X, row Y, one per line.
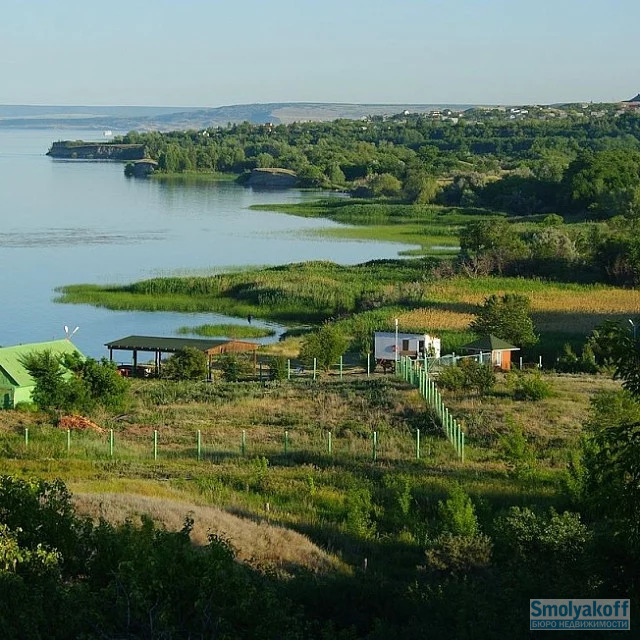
column 636, row 99
column 173, row 118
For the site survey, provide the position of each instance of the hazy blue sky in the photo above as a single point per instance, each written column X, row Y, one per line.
column 210, row 53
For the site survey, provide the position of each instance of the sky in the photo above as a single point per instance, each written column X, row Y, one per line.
column 212, row 53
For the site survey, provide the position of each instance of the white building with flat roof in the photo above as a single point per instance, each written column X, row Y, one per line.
column 414, row 345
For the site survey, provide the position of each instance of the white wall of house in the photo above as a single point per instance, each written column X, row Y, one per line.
column 411, row 344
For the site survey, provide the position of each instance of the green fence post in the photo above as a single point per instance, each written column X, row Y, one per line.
column 155, row 444
column 329, row 448
column 456, row 436
column 111, row 442
column 199, row 443
column 288, row 369
column 26, row 436
column 368, row 364
column 286, row 442
column 462, row 449
column 244, row 443
column 315, row 367
column 375, row 446
column 340, row 367
column 68, row 440
column 417, row 444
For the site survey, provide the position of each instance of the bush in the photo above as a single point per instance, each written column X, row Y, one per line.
column 451, row 378
column 73, row 383
column 186, row 364
column 457, row 514
column 468, row 374
column 530, row 386
column 326, row 346
column 278, row 368
column 459, row 554
column 232, row 367
column 515, row 450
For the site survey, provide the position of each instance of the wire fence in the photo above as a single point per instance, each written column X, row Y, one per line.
column 417, row 373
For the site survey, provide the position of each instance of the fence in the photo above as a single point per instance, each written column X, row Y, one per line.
column 416, row 373
column 157, row 445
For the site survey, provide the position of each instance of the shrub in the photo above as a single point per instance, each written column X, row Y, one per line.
column 278, row 368
column 469, row 374
column 459, row 554
column 186, row 364
column 358, row 510
column 526, row 536
column 326, row 346
column 457, row 514
column 515, row 450
column 451, row 378
column 530, row 386
column 232, row 367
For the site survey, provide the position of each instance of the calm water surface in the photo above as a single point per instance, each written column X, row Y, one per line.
column 64, row 222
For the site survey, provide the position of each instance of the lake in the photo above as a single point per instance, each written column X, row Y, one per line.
column 66, row 222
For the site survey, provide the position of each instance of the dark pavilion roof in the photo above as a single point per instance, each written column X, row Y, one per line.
column 490, row 343
column 166, row 345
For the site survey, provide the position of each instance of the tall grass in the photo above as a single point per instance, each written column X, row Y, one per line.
column 227, row 331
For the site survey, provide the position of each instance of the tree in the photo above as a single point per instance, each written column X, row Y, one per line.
column 494, row 240
column 186, row 364
column 420, row 187
column 232, row 367
column 608, row 476
column 615, row 345
column 384, row 184
column 74, row 383
column 102, row 380
column 50, row 390
column 325, row 345
column 506, row 317
column 604, row 182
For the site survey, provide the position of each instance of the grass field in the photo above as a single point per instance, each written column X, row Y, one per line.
column 305, row 488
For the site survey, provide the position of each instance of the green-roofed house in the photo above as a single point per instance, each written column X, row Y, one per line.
column 495, row 350
column 16, row 385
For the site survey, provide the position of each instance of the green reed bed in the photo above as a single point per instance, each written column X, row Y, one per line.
column 227, row 330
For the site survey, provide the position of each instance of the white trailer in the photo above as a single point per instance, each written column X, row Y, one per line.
column 414, row 345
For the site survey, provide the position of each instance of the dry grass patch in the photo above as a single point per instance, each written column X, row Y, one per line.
column 555, row 306
column 435, row 319
column 259, row 544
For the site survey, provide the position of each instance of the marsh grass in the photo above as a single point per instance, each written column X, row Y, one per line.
column 227, row 331
column 434, row 229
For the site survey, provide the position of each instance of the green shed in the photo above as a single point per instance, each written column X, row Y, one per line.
column 16, row 384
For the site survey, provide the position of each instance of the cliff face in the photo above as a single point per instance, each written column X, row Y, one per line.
column 272, row 179
column 96, row 151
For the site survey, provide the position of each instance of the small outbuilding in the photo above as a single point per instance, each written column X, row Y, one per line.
column 413, row 345
column 492, row 349
column 16, row 384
